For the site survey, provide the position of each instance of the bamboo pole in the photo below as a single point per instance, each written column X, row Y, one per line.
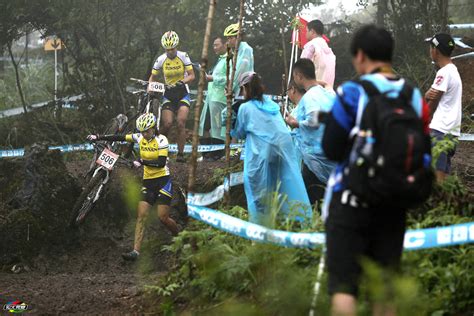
column 230, row 93
column 200, row 96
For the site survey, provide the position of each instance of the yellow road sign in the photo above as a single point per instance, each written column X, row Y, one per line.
column 53, row 44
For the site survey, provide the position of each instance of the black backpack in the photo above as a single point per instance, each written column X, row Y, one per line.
column 390, row 159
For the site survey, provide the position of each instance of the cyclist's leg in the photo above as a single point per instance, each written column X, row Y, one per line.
column 167, row 116
column 182, row 117
column 155, row 105
column 164, row 216
column 142, row 213
column 164, row 201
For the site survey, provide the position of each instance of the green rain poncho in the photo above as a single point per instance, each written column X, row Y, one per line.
column 216, row 99
column 244, row 64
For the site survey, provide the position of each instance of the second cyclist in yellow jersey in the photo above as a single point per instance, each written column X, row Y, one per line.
column 156, row 185
column 151, row 150
column 177, row 70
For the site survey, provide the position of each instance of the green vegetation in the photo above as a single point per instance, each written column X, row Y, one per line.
column 215, row 273
column 37, row 82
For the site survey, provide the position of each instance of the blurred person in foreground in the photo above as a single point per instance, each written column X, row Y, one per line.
column 382, row 165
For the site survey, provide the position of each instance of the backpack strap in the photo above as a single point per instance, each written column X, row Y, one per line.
column 368, row 87
column 407, row 92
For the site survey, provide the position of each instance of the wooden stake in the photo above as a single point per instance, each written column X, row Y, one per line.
column 230, row 94
column 200, row 96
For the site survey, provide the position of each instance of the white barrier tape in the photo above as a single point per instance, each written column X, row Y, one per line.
column 173, row 148
column 414, row 239
column 205, row 199
column 466, row 137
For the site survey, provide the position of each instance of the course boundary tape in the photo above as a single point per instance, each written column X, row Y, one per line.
column 414, row 239
column 173, row 148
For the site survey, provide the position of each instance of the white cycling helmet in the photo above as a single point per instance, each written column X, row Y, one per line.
column 169, row 40
column 146, row 121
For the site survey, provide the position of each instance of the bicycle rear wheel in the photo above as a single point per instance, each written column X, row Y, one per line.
column 85, row 202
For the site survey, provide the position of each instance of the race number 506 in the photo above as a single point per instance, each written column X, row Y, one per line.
column 107, row 159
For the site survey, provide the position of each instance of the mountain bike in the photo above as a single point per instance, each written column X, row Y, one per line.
column 105, row 163
column 149, row 101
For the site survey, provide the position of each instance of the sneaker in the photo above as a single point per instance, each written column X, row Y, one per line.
column 131, row 256
column 180, row 158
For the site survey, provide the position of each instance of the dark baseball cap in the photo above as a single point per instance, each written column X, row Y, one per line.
column 442, row 41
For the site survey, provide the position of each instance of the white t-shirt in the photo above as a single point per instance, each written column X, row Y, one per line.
column 447, row 117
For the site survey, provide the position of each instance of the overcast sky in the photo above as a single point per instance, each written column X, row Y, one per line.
column 333, row 6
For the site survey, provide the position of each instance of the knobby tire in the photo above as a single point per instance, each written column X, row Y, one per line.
column 84, row 203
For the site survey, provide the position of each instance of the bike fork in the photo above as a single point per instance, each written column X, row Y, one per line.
column 107, row 177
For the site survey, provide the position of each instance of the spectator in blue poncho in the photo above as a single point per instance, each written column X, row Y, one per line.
column 309, row 131
column 270, row 163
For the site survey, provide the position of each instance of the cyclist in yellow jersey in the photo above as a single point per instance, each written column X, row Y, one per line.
column 156, row 188
column 177, row 71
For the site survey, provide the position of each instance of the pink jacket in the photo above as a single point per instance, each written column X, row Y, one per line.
column 323, row 58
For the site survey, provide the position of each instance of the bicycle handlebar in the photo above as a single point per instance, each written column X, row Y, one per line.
column 142, row 82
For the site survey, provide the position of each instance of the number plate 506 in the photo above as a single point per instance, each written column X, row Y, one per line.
column 107, row 159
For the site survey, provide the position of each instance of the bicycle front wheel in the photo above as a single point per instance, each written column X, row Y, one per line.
column 86, row 200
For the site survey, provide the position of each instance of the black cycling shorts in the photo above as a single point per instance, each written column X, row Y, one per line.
column 354, row 233
column 176, row 97
column 157, row 191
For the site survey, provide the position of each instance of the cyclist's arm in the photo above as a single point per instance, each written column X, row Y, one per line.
column 154, row 75
column 158, row 163
column 190, row 77
column 112, row 138
column 163, row 150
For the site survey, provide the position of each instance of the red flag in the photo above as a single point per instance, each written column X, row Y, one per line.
column 300, row 24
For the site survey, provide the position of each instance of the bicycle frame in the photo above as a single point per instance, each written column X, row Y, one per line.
column 149, row 97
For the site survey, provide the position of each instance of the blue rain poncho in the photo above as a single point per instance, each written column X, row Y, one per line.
column 216, row 99
column 309, row 134
column 244, row 64
column 270, row 160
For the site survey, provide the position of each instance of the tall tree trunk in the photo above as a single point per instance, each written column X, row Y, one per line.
column 382, row 7
column 444, row 16
column 230, row 82
column 27, row 39
column 17, row 75
column 200, row 96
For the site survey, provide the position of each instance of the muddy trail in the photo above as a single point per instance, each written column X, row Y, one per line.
column 78, row 271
